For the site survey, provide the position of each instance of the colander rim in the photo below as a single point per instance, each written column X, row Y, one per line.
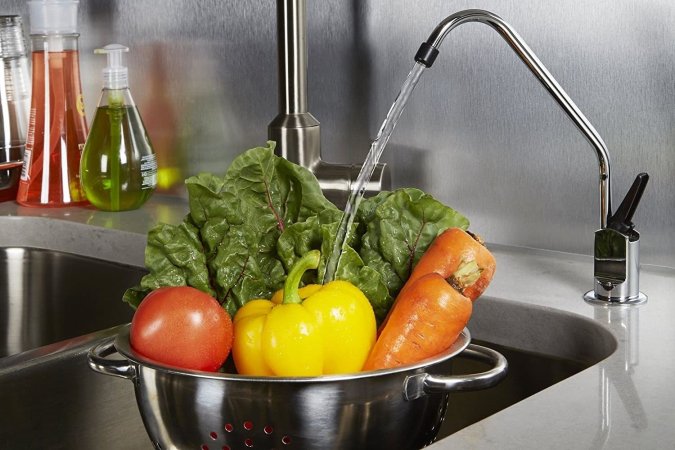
column 123, row 346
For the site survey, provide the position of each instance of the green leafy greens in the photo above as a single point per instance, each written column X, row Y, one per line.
column 246, row 229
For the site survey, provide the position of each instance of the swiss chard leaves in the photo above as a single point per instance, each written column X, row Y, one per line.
column 175, row 257
column 231, row 232
column 246, row 229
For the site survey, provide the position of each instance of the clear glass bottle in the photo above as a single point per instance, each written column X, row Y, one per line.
column 14, row 104
column 119, row 167
column 57, row 126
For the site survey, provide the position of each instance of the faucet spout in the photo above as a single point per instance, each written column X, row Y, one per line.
column 429, row 50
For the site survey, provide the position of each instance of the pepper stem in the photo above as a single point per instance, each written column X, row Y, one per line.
column 309, row 261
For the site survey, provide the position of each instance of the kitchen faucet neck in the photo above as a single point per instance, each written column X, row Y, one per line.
column 616, row 250
column 429, row 50
column 296, row 132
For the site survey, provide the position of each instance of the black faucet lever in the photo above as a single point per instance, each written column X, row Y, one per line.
column 621, row 220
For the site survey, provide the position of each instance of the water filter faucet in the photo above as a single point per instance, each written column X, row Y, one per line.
column 616, row 253
column 296, row 131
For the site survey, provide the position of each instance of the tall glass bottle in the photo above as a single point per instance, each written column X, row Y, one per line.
column 57, row 126
column 14, row 104
column 119, row 169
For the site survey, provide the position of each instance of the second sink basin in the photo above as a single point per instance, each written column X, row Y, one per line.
column 47, row 296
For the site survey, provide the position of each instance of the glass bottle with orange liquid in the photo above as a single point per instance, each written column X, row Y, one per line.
column 57, row 127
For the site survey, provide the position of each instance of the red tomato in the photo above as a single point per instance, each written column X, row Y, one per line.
column 184, row 327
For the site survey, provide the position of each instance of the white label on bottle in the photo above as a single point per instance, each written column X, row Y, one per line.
column 25, row 170
column 30, row 140
column 28, row 151
column 149, row 171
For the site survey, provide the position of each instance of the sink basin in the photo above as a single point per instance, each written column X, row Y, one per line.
column 47, row 296
column 55, row 306
column 78, row 409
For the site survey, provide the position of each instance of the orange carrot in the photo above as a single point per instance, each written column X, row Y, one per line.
column 435, row 303
column 461, row 258
column 425, row 321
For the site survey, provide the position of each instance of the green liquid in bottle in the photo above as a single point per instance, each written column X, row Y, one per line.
column 118, row 167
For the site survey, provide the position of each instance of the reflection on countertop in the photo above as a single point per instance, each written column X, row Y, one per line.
column 160, row 208
column 616, row 374
column 112, row 236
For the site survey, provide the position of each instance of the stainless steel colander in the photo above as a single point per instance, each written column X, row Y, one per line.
column 398, row 408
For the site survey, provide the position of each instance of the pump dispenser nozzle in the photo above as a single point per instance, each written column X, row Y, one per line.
column 115, row 75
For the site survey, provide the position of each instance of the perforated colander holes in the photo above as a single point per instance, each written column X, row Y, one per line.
column 248, row 442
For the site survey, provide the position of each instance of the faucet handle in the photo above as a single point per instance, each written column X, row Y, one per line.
column 621, row 220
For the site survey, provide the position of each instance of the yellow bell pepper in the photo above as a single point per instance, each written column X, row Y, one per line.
column 311, row 331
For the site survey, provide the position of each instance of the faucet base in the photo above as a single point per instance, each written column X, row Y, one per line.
column 298, row 138
column 593, row 298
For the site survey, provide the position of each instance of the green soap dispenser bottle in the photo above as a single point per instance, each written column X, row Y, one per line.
column 118, row 167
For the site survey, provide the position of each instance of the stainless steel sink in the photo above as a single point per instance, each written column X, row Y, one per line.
column 55, row 306
column 543, row 347
column 57, row 402
column 47, row 296
column 51, row 399
column 59, row 301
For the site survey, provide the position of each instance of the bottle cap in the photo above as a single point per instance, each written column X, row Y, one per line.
column 53, row 16
column 115, row 75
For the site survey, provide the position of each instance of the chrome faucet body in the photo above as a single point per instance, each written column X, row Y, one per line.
column 616, row 253
column 296, row 131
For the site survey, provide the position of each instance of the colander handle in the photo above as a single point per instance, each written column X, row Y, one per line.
column 418, row 385
column 99, row 362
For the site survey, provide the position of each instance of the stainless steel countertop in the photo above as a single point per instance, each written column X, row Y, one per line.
column 117, row 237
column 626, row 401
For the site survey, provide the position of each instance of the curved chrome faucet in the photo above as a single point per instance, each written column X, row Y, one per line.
column 427, row 54
column 616, row 262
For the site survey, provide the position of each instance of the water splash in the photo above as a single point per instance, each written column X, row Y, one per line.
column 373, row 157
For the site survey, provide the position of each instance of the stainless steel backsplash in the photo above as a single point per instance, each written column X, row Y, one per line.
column 479, row 133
